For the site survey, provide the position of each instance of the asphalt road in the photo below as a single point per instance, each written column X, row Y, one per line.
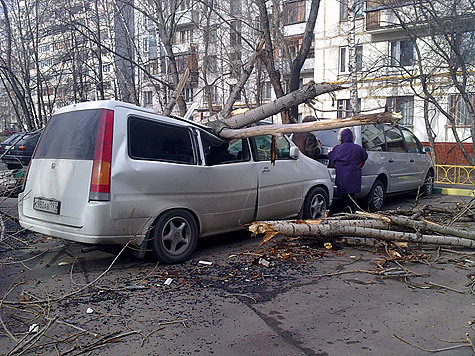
column 237, row 306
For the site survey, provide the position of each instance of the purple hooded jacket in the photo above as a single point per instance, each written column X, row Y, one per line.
column 348, row 158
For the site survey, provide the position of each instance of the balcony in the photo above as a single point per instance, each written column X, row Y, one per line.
column 186, row 18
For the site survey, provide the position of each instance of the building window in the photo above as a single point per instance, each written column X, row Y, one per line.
column 44, row 48
column 145, row 43
column 359, row 9
column 185, row 5
column 212, row 34
column 343, row 108
column 212, row 63
column 266, row 91
column 459, row 109
column 235, row 64
column 235, row 33
column 294, row 45
column 402, row 53
column 147, row 98
column 213, row 95
column 188, row 94
column 344, row 59
column 235, row 7
column 106, row 68
column 293, row 12
column 404, row 105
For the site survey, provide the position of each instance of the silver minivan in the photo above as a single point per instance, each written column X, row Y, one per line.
column 110, row 172
column 397, row 162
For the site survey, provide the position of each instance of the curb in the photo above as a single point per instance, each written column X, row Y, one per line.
column 454, row 191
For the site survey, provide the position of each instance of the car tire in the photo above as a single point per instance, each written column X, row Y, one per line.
column 316, row 203
column 174, row 236
column 376, row 196
column 428, row 185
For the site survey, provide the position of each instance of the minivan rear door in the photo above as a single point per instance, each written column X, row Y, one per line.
column 57, row 186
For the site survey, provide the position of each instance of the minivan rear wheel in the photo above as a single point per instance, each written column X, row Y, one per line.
column 376, row 196
column 315, row 204
column 174, row 236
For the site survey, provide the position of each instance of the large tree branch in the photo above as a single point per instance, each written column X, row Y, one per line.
column 311, row 126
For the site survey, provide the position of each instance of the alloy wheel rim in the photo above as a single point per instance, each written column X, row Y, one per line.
column 176, row 236
column 317, row 206
column 378, row 197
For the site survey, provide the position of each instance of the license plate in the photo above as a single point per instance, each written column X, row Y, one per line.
column 47, row 205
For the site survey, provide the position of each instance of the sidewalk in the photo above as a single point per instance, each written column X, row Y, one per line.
column 454, row 189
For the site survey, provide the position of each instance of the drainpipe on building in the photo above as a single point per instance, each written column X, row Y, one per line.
column 352, row 57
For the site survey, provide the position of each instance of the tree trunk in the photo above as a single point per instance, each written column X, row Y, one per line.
column 309, row 126
column 292, row 229
column 302, row 54
column 308, row 92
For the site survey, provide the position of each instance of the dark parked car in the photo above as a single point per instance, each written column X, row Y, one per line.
column 9, row 141
column 20, row 155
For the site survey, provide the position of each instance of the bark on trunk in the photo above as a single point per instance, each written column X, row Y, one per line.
column 426, row 226
column 311, row 126
column 293, row 229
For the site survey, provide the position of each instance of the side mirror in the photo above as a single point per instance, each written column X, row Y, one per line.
column 294, row 152
column 425, row 149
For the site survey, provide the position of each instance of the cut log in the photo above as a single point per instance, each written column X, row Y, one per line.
column 295, row 229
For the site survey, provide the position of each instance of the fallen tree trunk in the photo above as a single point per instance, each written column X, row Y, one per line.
column 310, row 126
column 420, row 225
column 295, row 229
column 308, row 92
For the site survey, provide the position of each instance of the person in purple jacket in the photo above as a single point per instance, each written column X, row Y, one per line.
column 348, row 158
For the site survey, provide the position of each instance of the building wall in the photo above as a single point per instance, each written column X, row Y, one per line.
column 377, row 80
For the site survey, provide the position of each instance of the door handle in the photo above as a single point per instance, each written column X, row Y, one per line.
column 391, row 161
column 411, row 160
column 265, row 170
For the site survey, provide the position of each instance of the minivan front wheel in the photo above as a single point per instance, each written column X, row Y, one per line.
column 175, row 236
column 428, row 185
column 315, row 204
column 376, row 196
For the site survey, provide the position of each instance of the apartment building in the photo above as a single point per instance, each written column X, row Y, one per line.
column 215, row 40
column 388, row 67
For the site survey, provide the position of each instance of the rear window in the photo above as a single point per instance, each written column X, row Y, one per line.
column 70, row 135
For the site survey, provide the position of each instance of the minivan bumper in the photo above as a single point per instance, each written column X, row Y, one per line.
column 81, row 234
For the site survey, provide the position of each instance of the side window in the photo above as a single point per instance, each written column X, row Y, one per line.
column 150, row 140
column 394, row 140
column 412, row 143
column 219, row 152
column 372, row 137
column 262, row 147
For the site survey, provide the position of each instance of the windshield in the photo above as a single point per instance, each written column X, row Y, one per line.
column 327, row 137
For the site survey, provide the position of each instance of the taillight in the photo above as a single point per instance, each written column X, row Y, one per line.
column 101, row 167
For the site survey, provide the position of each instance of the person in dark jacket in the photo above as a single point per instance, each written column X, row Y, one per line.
column 306, row 141
column 348, row 158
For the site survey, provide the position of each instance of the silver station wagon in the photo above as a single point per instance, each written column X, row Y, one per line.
column 107, row 172
column 397, row 162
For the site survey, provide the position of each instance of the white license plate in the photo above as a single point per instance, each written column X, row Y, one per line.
column 47, row 205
